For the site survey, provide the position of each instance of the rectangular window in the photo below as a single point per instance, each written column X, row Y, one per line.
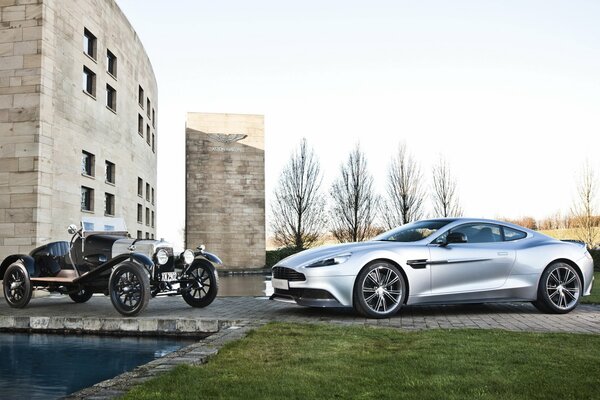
column 148, row 108
column 147, row 216
column 87, row 199
column 147, row 235
column 152, row 196
column 89, row 43
column 153, row 147
column 152, row 221
column 139, row 234
column 111, row 97
column 153, row 119
column 109, row 204
column 111, row 63
column 148, row 134
column 140, row 187
column 152, row 236
column 141, row 96
column 87, row 163
column 110, row 172
column 147, row 192
column 89, row 81
column 140, row 125
column 139, row 213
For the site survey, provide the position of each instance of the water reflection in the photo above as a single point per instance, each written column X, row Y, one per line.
column 38, row 366
column 245, row 285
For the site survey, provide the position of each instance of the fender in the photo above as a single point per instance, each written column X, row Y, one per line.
column 140, row 258
column 27, row 261
column 210, row 257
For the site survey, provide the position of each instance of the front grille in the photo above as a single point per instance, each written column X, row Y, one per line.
column 308, row 294
column 287, row 274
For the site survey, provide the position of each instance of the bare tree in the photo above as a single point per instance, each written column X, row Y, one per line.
column 585, row 207
column 298, row 209
column 445, row 196
column 405, row 190
column 354, row 202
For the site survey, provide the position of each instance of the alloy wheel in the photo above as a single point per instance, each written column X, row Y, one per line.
column 562, row 287
column 382, row 289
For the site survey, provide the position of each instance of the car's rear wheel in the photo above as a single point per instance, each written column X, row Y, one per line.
column 82, row 296
column 204, row 286
column 379, row 290
column 129, row 289
column 559, row 290
column 17, row 286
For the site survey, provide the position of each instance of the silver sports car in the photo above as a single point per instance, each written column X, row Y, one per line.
column 451, row 260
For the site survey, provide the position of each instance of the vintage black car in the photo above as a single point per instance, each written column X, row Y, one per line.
column 102, row 258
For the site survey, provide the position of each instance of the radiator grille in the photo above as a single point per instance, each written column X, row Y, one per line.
column 287, row 274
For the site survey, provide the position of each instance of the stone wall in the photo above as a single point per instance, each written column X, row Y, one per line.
column 225, row 193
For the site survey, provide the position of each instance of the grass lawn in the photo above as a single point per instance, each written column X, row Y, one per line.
column 595, row 296
column 293, row 361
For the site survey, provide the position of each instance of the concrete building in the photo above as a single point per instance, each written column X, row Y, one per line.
column 225, row 187
column 78, row 109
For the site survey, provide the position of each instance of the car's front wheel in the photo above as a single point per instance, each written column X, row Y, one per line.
column 203, row 286
column 17, row 286
column 129, row 289
column 559, row 290
column 379, row 290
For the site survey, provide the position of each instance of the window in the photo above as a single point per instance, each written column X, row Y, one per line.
column 111, row 63
column 87, row 163
column 152, row 196
column 153, row 119
column 513, row 234
column 147, row 192
column 89, row 81
column 89, row 44
column 139, row 234
column 109, row 204
column 140, row 125
column 147, row 235
column 110, row 172
column 111, row 97
column 147, row 216
column 480, row 233
column 152, row 236
column 87, row 199
column 139, row 214
column 140, row 187
column 141, row 96
column 152, row 221
column 148, row 108
column 153, row 148
column 148, row 134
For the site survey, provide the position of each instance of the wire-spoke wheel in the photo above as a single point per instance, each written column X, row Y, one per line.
column 82, row 296
column 17, row 286
column 203, row 286
column 129, row 288
column 379, row 290
column 559, row 289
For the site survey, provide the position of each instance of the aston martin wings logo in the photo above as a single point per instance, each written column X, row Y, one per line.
column 225, row 138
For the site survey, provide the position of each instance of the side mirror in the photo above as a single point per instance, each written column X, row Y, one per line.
column 456, row 237
column 72, row 229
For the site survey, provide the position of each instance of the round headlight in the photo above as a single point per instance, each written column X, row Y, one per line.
column 188, row 256
column 162, row 257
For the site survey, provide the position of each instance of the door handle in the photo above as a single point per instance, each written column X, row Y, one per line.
column 503, row 253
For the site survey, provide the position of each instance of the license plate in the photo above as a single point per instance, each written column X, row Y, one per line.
column 280, row 284
column 169, row 276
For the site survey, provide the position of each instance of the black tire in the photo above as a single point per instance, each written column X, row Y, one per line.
column 82, row 296
column 559, row 290
column 17, row 286
column 379, row 290
column 129, row 288
column 205, row 285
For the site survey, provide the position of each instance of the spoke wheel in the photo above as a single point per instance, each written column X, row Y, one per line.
column 82, row 296
column 203, row 286
column 379, row 290
column 17, row 286
column 559, row 290
column 129, row 288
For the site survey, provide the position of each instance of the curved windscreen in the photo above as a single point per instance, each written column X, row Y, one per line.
column 414, row 231
column 103, row 224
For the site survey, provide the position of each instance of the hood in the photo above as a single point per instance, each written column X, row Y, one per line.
column 307, row 257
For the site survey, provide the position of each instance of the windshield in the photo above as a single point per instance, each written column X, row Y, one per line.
column 414, row 231
column 103, row 224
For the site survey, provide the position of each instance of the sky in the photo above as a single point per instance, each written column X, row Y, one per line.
column 508, row 92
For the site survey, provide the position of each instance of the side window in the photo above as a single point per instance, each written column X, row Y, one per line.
column 513, row 234
column 480, row 233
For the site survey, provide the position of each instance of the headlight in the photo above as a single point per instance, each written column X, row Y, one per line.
column 162, row 257
column 188, row 256
column 342, row 258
